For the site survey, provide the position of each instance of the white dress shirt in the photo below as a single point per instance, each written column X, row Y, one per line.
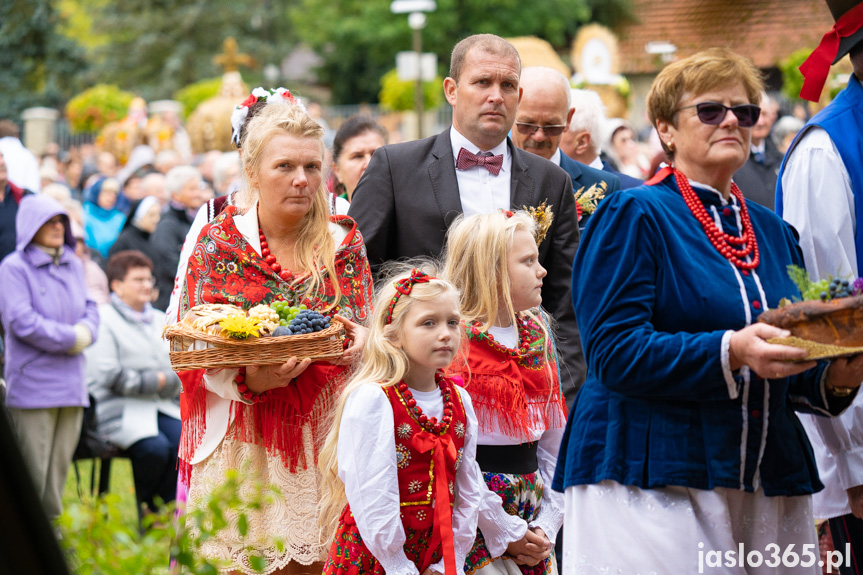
column 479, row 191
column 818, row 200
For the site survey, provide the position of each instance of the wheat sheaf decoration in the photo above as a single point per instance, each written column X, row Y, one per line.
column 543, row 216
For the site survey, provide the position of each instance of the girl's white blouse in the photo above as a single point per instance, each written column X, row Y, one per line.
column 367, row 465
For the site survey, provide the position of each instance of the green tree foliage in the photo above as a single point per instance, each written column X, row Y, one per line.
column 157, row 47
column 38, row 65
column 359, row 38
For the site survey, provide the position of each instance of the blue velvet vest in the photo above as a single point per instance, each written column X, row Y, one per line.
column 843, row 122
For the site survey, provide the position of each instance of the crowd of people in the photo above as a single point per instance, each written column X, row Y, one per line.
column 552, row 359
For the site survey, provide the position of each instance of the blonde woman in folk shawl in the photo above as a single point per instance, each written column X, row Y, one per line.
column 511, row 375
column 279, row 243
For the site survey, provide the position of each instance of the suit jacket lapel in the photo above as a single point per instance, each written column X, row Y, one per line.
column 443, row 179
column 522, row 187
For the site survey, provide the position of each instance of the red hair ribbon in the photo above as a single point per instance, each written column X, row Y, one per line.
column 816, row 68
column 404, row 287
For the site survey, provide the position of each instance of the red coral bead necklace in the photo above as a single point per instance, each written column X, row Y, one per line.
column 286, row 275
column 724, row 243
column 430, row 424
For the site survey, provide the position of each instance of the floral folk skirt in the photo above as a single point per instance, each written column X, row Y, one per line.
column 522, row 496
column 349, row 555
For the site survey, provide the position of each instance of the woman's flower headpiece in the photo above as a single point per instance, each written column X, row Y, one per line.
column 404, row 287
column 238, row 116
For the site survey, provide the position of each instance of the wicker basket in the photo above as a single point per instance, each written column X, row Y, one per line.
column 193, row 349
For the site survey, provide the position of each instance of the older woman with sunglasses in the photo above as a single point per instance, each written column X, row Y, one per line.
column 684, row 438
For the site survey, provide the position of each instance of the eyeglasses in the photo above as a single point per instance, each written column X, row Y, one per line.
column 530, row 129
column 146, row 281
column 713, row 113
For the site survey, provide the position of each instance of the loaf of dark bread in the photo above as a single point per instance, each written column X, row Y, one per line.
column 834, row 322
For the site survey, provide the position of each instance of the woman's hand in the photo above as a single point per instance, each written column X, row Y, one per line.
column 265, row 377
column 845, row 371
column 749, row 346
column 530, row 549
column 358, row 335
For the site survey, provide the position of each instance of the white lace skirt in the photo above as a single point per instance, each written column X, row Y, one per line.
column 292, row 518
column 614, row 529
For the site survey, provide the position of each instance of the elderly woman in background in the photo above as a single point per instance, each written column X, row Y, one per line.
column 144, row 216
column 188, row 193
column 278, row 244
column 130, row 376
column 356, row 140
column 103, row 220
column 48, row 321
column 684, row 439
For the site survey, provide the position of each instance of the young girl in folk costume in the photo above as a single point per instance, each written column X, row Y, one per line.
column 512, row 378
column 278, row 244
column 400, row 484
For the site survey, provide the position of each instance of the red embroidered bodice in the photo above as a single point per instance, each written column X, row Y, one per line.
column 416, row 470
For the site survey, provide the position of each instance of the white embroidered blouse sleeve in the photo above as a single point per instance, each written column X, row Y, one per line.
column 843, row 438
column 468, row 488
column 550, row 516
column 819, row 202
column 367, row 466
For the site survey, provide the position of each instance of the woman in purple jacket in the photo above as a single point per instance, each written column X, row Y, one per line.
column 48, row 320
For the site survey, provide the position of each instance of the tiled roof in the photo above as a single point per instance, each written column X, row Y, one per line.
column 766, row 31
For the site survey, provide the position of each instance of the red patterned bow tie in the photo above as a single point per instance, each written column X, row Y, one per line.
column 468, row 160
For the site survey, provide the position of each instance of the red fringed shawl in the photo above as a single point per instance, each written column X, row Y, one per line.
column 513, row 390
column 224, row 268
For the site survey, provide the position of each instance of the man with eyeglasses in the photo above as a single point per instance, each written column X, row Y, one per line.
column 543, row 116
column 411, row 192
column 819, row 181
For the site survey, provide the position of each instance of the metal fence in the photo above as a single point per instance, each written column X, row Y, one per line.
column 65, row 138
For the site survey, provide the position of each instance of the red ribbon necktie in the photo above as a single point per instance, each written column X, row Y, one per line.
column 816, row 68
column 468, row 160
column 444, row 452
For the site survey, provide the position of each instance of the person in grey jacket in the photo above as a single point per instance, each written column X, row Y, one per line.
column 130, row 376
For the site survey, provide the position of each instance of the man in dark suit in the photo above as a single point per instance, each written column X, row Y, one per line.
column 411, row 192
column 582, row 139
column 757, row 178
column 542, row 121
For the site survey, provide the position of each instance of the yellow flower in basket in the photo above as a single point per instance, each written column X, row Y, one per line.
column 239, row 326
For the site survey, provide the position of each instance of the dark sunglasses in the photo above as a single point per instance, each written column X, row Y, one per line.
column 713, row 113
column 530, row 129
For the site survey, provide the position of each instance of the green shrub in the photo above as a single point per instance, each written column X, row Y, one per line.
column 792, row 79
column 398, row 95
column 93, row 109
column 99, row 540
column 192, row 95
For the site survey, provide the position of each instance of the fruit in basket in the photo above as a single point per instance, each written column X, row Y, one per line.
column 268, row 318
column 282, row 330
column 308, row 321
column 238, row 326
column 831, row 313
column 286, row 311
